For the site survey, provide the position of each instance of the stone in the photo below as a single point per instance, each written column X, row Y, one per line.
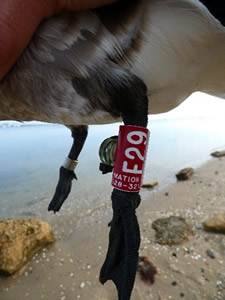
column 215, row 224
column 150, row 185
column 218, row 153
column 172, row 230
column 184, row 174
column 20, row 240
column 210, row 253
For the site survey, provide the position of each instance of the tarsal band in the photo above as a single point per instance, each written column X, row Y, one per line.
column 70, row 164
column 130, row 156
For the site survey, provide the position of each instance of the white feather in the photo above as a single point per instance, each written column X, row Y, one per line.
column 182, row 45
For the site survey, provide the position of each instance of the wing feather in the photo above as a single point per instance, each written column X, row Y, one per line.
column 79, row 42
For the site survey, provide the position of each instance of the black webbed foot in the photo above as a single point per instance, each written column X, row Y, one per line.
column 62, row 190
column 124, row 240
column 66, row 172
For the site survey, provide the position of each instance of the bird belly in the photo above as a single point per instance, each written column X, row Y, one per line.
column 177, row 42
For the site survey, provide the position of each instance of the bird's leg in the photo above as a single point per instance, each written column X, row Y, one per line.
column 124, row 238
column 66, row 172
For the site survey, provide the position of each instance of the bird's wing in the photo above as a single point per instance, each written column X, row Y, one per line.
column 77, row 42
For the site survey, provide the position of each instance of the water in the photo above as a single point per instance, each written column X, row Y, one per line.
column 31, row 155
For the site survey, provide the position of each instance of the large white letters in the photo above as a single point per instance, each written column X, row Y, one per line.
column 140, row 137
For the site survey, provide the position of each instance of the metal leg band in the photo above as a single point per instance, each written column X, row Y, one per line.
column 70, row 164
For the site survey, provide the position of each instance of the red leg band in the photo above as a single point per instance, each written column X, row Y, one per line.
column 130, row 156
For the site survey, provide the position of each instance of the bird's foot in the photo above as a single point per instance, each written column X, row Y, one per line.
column 62, row 189
column 124, row 240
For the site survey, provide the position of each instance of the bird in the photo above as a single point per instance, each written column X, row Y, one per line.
column 116, row 63
column 174, row 47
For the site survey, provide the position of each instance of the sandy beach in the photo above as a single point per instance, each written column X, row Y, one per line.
column 69, row 269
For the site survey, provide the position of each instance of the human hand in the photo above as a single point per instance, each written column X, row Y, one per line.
column 20, row 18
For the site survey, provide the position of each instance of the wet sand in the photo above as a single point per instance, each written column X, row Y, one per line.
column 69, row 269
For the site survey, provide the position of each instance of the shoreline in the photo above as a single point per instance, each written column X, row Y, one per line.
column 69, row 269
column 32, row 178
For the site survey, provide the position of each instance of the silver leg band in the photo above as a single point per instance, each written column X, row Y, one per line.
column 70, row 164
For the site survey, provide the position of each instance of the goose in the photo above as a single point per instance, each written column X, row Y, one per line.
column 116, row 63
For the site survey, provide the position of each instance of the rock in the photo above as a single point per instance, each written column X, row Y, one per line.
column 172, row 231
column 150, row 184
column 184, row 174
column 215, row 224
column 218, row 153
column 20, row 240
column 210, row 253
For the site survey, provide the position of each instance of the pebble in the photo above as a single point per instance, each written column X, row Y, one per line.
column 82, row 285
column 182, row 294
column 218, row 153
column 219, row 282
column 215, row 224
column 184, row 174
column 150, row 184
column 210, row 253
